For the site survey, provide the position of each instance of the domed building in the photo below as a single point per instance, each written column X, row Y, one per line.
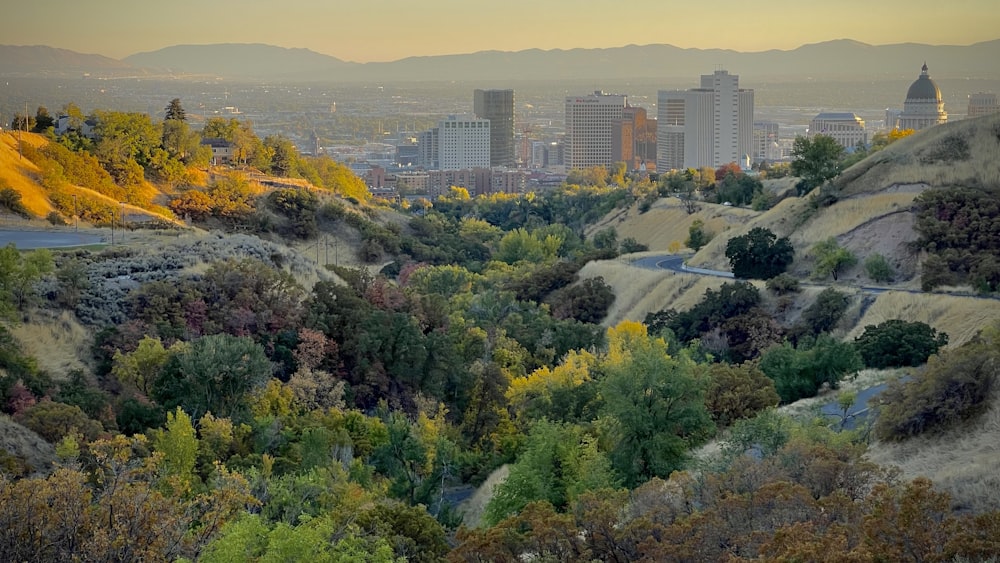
column 923, row 106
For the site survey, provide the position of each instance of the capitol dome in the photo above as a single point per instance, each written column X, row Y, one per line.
column 923, row 106
column 924, row 88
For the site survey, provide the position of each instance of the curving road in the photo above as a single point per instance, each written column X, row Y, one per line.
column 25, row 240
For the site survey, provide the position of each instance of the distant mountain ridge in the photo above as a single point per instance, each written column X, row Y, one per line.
column 831, row 59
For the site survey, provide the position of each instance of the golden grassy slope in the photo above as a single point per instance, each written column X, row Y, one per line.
column 667, row 222
column 20, row 173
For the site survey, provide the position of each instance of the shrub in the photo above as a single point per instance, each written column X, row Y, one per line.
column 953, row 387
column 831, row 258
column 826, row 311
column 898, row 343
column 587, row 302
column 738, row 392
column 878, row 268
column 698, row 235
column 800, row 372
column 783, row 284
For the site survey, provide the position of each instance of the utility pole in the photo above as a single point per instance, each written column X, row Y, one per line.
column 76, row 214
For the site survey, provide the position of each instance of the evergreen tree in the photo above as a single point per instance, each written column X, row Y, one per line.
column 175, row 111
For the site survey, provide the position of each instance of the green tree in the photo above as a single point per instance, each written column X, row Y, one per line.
column 825, row 312
column 141, row 367
column 897, row 343
column 655, row 409
column 698, row 235
column 18, row 275
column 10, row 199
column 214, row 374
column 179, row 446
column 759, row 254
column 831, row 258
column 43, row 120
column 125, row 144
column 815, row 161
column 558, row 463
column 174, row 111
column 284, row 157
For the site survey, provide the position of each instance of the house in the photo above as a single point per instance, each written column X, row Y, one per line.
column 222, row 150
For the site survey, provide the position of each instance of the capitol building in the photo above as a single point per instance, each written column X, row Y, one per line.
column 923, row 106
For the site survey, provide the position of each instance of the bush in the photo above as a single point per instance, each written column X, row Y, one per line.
column 878, row 268
column 898, row 343
column 738, row 392
column 587, row 302
column 801, row 372
column 782, row 284
column 952, row 388
column 826, row 311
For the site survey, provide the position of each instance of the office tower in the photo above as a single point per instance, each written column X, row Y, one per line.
column 846, row 128
column 707, row 126
column 923, row 106
column 633, row 139
column 498, row 107
column 464, row 142
column 428, row 145
column 588, row 128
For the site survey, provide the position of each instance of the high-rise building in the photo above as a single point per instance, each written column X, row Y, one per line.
column 633, row 139
column 983, row 103
column 498, row 107
column 707, row 126
column 923, row 106
column 765, row 135
column 588, row 128
column 464, row 142
column 846, row 128
column 428, row 145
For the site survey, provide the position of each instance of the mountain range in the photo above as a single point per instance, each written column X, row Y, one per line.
column 831, row 59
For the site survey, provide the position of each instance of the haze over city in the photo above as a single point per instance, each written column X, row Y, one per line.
column 386, row 30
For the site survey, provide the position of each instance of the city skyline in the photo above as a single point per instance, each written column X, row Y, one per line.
column 388, row 30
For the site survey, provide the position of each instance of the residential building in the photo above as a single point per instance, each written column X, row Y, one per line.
column 222, row 150
column 498, row 107
column 923, row 107
column 463, row 142
column 707, row 126
column 846, row 128
column 588, row 128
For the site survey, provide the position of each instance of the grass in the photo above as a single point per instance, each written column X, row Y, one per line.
column 19, row 173
column 962, row 461
column 25, row 444
column 57, row 343
column 667, row 222
column 639, row 290
column 960, row 317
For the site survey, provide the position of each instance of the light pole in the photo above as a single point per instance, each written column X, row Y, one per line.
column 76, row 214
column 123, row 220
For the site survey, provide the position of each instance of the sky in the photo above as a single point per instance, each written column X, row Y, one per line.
column 387, row 30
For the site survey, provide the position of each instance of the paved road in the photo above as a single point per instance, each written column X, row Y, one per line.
column 47, row 239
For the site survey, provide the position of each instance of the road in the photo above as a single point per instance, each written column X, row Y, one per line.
column 25, row 240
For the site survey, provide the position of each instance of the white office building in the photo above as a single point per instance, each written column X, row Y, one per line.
column 707, row 126
column 464, row 142
column 588, row 128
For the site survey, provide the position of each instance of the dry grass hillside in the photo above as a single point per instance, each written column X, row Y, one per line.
column 19, row 173
column 874, row 215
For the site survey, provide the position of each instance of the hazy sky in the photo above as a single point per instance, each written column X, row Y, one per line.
column 384, row 30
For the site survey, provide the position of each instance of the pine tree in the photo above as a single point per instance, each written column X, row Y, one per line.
column 175, row 111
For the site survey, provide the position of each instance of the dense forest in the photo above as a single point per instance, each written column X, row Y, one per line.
column 230, row 413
